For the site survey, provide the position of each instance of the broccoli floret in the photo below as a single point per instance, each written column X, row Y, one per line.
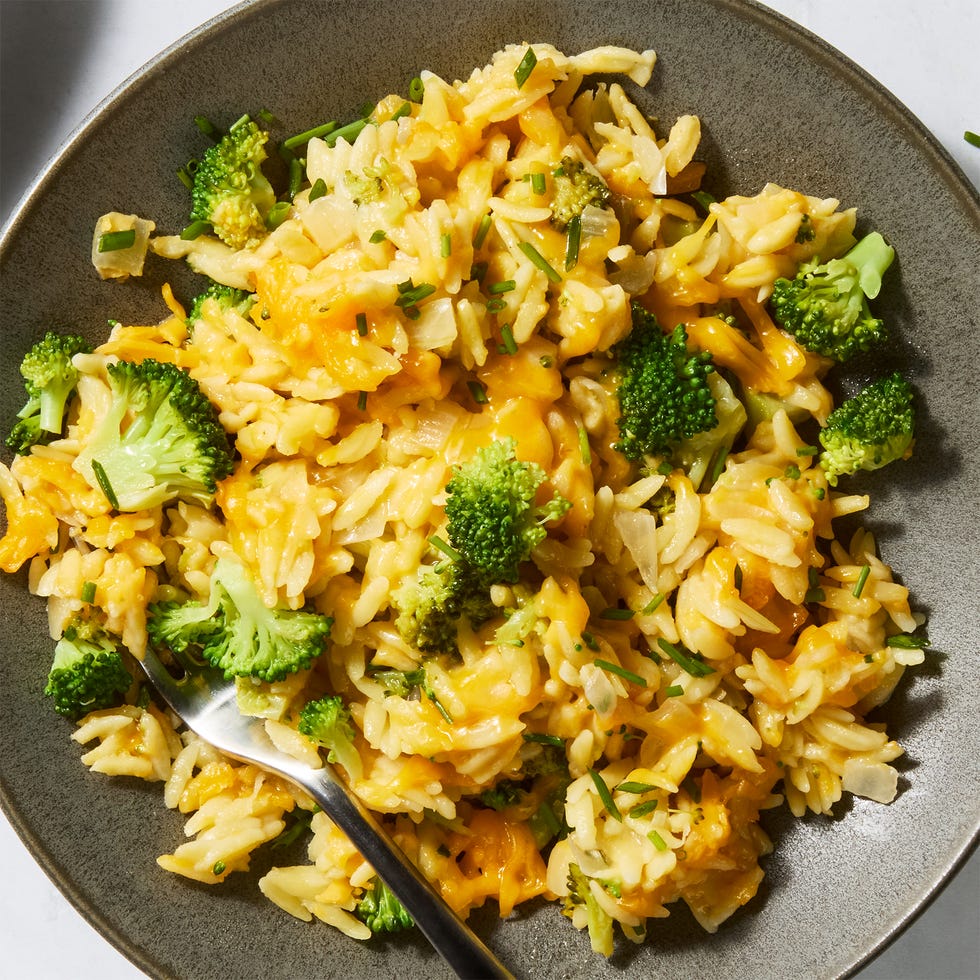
column 50, row 379
column 600, row 923
column 381, row 911
column 227, row 298
column 870, row 430
column 160, row 439
column 237, row 632
column 327, row 721
column 88, row 672
column 575, row 188
column 825, row 306
column 703, row 455
column 663, row 390
column 431, row 603
column 494, row 520
column 230, row 191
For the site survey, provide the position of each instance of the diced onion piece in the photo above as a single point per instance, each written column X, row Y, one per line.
column 121, row 263
column 873, row 780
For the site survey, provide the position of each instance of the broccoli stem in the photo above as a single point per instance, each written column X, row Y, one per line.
column 871, row 257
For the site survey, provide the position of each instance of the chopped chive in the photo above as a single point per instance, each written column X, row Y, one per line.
column 296, row 173
column 446, row 245
column 445, row 547
column 431, row 695
column 113, row 241
column 737, row 577
column 277, row 215
column 361, row 401
column 412, row 295
column 542, row 738
column 185, row 178
column 362, row 325
column 905, row 641
column 482, row 230
column 658, row 842
column 614, row 612
column 653, row 604
column 412, row 312
column 377, row 236
column 792, row 472
column 267, row 116
column 538, row 183
column 405, row 109
column 631, row 787
column 104, row 485
column 207, row 127
column 504, row 286
column 815, row 595
column 583, row 445
column 687, row 662
column 348, row 132
column 194, row 230
column 496, row 305
column 703, row 199
column 590, row 641
column 318, row 189
column 523, row 71
column 508, row 345
column 416, row 89
column 642, row 809
column 673, row 691
column 862, row 578
column 972, row 138
column 325, row 129
column 627, row 675
column 540, row 261
column 478, row 271
column 807, row 450
column 665, row 468
column 819, row 493
column 868, row 659
column 572, row 242
column 219, row 868
column 607, row 801
column 478, row 392
column 88, row 592
column 546, row 361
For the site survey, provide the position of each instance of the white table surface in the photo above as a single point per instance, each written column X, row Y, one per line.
column 60, row 58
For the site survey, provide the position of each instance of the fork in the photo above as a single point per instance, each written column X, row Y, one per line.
column 207, row 703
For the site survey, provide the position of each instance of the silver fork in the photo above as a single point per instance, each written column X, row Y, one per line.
column 207, row 704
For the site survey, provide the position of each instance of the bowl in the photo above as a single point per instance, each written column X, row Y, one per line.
column 815, row 123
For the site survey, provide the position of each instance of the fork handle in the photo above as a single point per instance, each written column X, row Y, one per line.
column 449, row 935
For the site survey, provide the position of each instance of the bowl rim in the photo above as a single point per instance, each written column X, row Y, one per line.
column 775, row 23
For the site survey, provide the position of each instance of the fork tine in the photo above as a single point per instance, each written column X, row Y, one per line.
column 161, row 678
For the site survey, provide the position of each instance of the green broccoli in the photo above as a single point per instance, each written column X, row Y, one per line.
column 494, row 523
column 237, row 632
column 431, row 603
column 229, row 191
column 50, row 379
column 494, row 520
column 870, row 430
column 825, row 306
column 703, row 455
column 663, row 389
column 600, row 922
column 160, row 439
column 88, row 672
column 227, row 297
column 575, row 188
column 381, row 911
column 327, row 721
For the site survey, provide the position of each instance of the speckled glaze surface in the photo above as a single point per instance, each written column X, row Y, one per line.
column 836, row 890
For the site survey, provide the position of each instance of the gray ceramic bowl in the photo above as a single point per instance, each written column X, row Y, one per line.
column 836, row 890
